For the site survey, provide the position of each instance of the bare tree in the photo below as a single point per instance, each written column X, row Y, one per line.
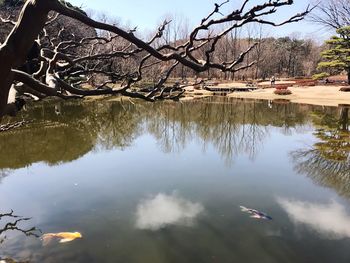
column 48, row 81
column 332, row 14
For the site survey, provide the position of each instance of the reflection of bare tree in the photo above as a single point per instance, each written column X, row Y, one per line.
column 235, row 130
column 13, row 224
column 78, row 129
column 328, row 161
column 117, row 124
column 172, row 134
column 233, row 127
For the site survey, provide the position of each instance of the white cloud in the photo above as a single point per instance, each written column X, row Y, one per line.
column 330, row 220
column 163, row 210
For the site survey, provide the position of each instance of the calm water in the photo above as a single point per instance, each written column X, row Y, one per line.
column 163, row 182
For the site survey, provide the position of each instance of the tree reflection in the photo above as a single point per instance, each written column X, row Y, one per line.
column 62, row 132
column 233, row 127
column 328, row 161
column 13, row 223
column 78, row 129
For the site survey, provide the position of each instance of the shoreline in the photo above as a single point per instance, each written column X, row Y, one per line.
column 315, row 95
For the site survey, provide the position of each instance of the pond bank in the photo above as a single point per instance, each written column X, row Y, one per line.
column 318, row 95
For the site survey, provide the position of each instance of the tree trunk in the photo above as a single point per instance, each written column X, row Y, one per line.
column 348, row 76
column 14, row 51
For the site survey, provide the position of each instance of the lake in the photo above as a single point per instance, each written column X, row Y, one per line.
column 164, row 182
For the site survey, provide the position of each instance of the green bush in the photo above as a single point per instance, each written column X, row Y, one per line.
column 320, row 76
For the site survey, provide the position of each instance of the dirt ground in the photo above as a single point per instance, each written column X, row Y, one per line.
column 317, row 95
column 329, row 95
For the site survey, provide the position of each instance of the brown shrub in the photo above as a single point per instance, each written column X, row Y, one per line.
column 282, row 86
column 345, row 89
column 282, row 92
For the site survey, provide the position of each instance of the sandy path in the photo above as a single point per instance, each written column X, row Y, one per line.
column 318, row 95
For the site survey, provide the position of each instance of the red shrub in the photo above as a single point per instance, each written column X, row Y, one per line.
column 282, row 92
column 282, row 86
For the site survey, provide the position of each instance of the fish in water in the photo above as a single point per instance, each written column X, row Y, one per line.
column 63, row 237
column 255, row 213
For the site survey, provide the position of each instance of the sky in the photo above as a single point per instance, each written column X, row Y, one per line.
column 147, row 14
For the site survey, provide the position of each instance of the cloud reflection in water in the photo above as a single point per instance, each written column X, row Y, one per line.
column 163, row 210
column 330, row 220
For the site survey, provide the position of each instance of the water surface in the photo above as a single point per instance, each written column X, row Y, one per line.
column 163, row 182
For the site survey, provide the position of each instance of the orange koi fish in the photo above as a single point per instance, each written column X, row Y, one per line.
column 63, row 237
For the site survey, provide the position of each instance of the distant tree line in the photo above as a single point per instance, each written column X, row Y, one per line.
column 281, row 57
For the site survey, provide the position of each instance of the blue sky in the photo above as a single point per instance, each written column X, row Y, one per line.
column 146, row 15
